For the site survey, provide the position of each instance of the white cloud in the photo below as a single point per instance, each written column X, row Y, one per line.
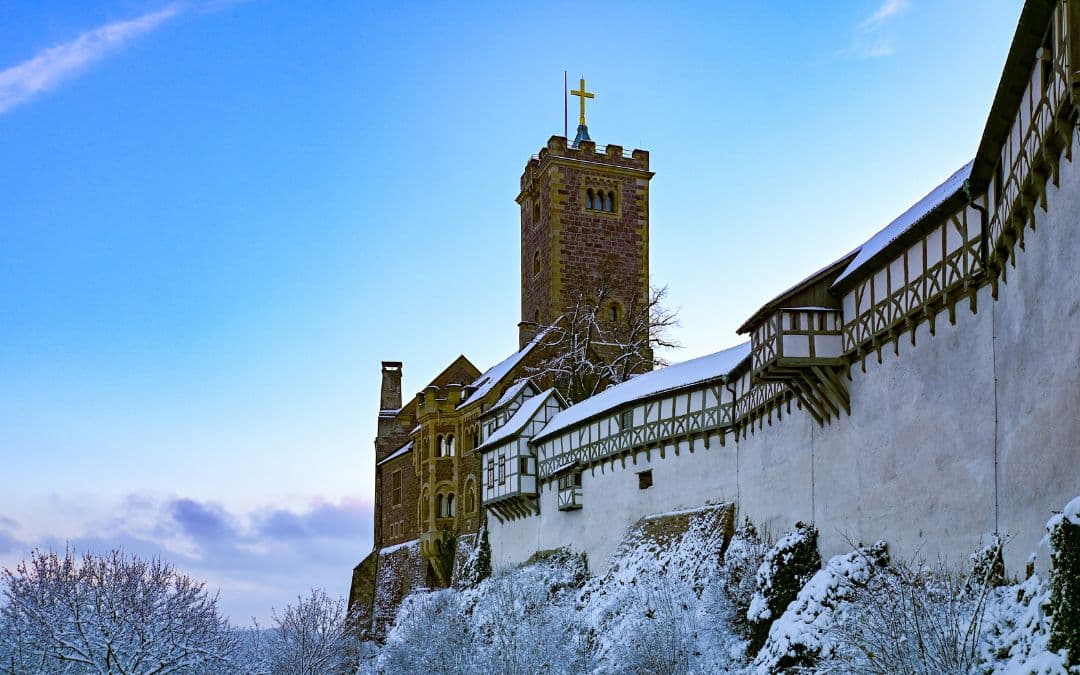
column 21, row 83
column 888, row 10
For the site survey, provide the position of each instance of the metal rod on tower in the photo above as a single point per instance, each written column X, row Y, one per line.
column 565, row 122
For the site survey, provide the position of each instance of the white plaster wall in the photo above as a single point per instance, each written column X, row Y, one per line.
column 916, row 461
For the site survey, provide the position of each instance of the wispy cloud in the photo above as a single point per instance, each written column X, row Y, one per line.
column 871, row 39
column 22, row 82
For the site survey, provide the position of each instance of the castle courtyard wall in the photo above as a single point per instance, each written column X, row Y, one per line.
column 920, row 462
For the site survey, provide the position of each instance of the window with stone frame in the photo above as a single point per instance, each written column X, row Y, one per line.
column 395, row 488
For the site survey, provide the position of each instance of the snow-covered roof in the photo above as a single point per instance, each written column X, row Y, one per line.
column 518, row 421
column 672, row 377
column 397, row 453
column 493, row 375
column 907, row 220
column 510, row 394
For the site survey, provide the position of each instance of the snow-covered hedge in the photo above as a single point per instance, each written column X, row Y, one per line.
column 788, row 565
column 1064, row 535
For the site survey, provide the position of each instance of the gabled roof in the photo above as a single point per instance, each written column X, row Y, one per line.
column 678, row 376
column 803, row 293
column 902, row 231
column 497, row 373
column 397, row 453
column 509, row 395
column 443, row 378
column 517, row 422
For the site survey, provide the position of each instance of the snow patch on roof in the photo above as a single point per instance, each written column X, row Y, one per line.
column 397, row 453
column 493, row 375
column 510, row 394
column 907, row 220
column 674, row 376
column 395, row 547
column 518, row 421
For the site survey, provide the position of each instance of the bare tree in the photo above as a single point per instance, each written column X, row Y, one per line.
column 597, row 342
column 313, row 637
column 109, row 614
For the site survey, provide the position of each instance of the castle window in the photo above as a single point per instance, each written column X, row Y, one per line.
column 424, row 507
column 502, row 469
column 589, row 199
column 451, row 510
column 448, row 445
column 470, row 496
column 605, row 203
column 536, row 211
column 613, row 312
column 611, row 201
column 644, row 479
column 491, row 473
column 440, row 506
column 626, row 419
column 438, row 446
column 523, row 465
column 395, row 488
column 536, row 263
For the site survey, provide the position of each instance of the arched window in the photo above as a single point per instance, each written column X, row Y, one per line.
column 605, row 203
column 470, row 496
column 610, row 201
column 589, row 199
column 536, row 211
column 424, row 508
column 536, row 263
column 448, row 445
column 440, row 506
column 438, row 446
column 451, row 510
column 613, row 312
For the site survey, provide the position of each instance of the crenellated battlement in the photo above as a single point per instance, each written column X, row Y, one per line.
column 587, row 151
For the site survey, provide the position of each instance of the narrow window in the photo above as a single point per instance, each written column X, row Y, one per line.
column 613, row 312
column 395, row 488
column 536, row 263
column 589, row 199
column 644, row 480
column 502, row 469
column 611, row 201
column 440, row 506
column 449, row 445
column 491, row 473
column 536, row 211
column 626, row 419
column 451, row 511
column 523, row 465
column 438, row 446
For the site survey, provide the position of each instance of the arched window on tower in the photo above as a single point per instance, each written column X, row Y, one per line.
column 451, row 509
column 589, row 199
column 440, row 506
column 611, row 201
column 449, row 445
column 613, row 312
column 605, row 203
column 536, row 263
column 536, row 211
column 424, row 508
column 470, row 496
column 438, row 446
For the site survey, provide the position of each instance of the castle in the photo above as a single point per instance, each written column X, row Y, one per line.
column 923, row 389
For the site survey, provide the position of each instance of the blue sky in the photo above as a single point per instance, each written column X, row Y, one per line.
column 218, row 217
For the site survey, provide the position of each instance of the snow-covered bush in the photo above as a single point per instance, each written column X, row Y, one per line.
column 787, row 567
column 312, row 637
column 800, row 635
column 430, row 635
column 477, row 564
column 738, row 573
column 1064, row 535
column 1017, row 631
column 111, row 613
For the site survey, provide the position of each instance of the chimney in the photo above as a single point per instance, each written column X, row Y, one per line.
column 391, row 386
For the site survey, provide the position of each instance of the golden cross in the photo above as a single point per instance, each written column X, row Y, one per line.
column 583, row 95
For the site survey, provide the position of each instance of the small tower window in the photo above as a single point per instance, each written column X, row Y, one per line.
column 536, row 263
column 611, row 201
column 613, row 312
column 448, row 445
column 536, row 211
column 589, row 199
column 440, row 506
column 438, row 446
column 451, row 510
column 605, row 204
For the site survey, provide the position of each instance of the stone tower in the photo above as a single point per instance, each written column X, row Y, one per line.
column 584, row 223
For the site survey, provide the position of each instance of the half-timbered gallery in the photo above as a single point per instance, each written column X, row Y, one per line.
column 924, row 388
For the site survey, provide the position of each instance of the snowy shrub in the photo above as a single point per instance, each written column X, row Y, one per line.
column 787, row 567
column 1017, row 631
column 313, row 637
column 477, row 566
column 108, row 614
column 800, row 635
column 1064, row 534
column 430, row 635
column 743, row 558
column 911, row 619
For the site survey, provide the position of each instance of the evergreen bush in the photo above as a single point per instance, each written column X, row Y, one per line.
column 1065, row 582
column 788, row 566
